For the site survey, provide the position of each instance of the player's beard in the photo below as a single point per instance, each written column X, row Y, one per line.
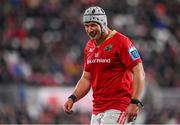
column 95, row 35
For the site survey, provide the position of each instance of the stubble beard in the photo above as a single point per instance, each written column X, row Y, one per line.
column 94, row 35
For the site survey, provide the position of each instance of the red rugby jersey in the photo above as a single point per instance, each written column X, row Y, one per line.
column 110, row 67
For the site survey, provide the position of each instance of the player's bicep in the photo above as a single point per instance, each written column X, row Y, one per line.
column 139, row 70
column 86, row 76
column 129, row 55
column 83, row 86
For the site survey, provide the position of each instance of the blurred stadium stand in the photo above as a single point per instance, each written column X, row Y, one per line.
column 41, row 55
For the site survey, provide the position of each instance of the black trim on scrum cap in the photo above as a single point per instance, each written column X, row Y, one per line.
column 93, row 14
column 97, row 23
column 93, row 22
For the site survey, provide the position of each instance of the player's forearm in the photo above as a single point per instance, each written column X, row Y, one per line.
column 81, row 89
column 83, row 86
column 137, row 88
column 138, row 81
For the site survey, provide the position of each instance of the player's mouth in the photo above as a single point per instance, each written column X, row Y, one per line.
column 92, row 34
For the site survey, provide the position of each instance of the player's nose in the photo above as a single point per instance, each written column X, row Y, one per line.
column 90, row 29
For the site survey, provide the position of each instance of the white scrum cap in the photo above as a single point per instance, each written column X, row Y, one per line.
column 95, row 14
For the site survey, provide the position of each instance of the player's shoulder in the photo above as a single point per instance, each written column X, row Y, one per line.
column 122, row 39
column 89, row 45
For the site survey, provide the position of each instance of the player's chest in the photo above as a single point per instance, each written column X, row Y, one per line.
column 102, row 55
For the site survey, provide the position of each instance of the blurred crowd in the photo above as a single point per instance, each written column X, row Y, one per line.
column 20, row 115
column 49, row 115
column 42, row 41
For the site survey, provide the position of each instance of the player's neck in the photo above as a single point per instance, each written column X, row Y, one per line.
column 103, row 37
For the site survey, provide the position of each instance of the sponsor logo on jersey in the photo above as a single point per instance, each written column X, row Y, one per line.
column 90, row 61
column 108, row 48
column 133, row 53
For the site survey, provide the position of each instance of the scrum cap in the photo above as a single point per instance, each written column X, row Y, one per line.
column 95, row 14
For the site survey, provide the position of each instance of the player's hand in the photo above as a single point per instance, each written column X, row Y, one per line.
column 68, row 106
column 132, row 112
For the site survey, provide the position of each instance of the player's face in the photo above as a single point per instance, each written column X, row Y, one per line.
column 93, row 30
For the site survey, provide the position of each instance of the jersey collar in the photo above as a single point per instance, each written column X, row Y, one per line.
column 111, row 34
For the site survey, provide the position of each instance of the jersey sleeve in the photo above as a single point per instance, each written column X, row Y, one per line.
column 85, row 66
column 129, row 55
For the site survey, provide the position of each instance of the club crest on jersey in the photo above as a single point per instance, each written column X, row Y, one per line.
column 108, row 48
column 133, row 53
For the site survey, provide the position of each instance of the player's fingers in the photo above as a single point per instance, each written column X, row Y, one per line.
column 68, row 111
column 132, row 117
column 137, row 111
column 67, row 107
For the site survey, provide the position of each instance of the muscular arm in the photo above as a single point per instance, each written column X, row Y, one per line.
column 138, row 84
column 83, row 85
column 138, row 80
column 81, row 89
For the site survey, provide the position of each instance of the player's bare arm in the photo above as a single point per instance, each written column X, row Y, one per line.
column 138, row 83
column 83, row 86
column 138, row 80
column 81, row 89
